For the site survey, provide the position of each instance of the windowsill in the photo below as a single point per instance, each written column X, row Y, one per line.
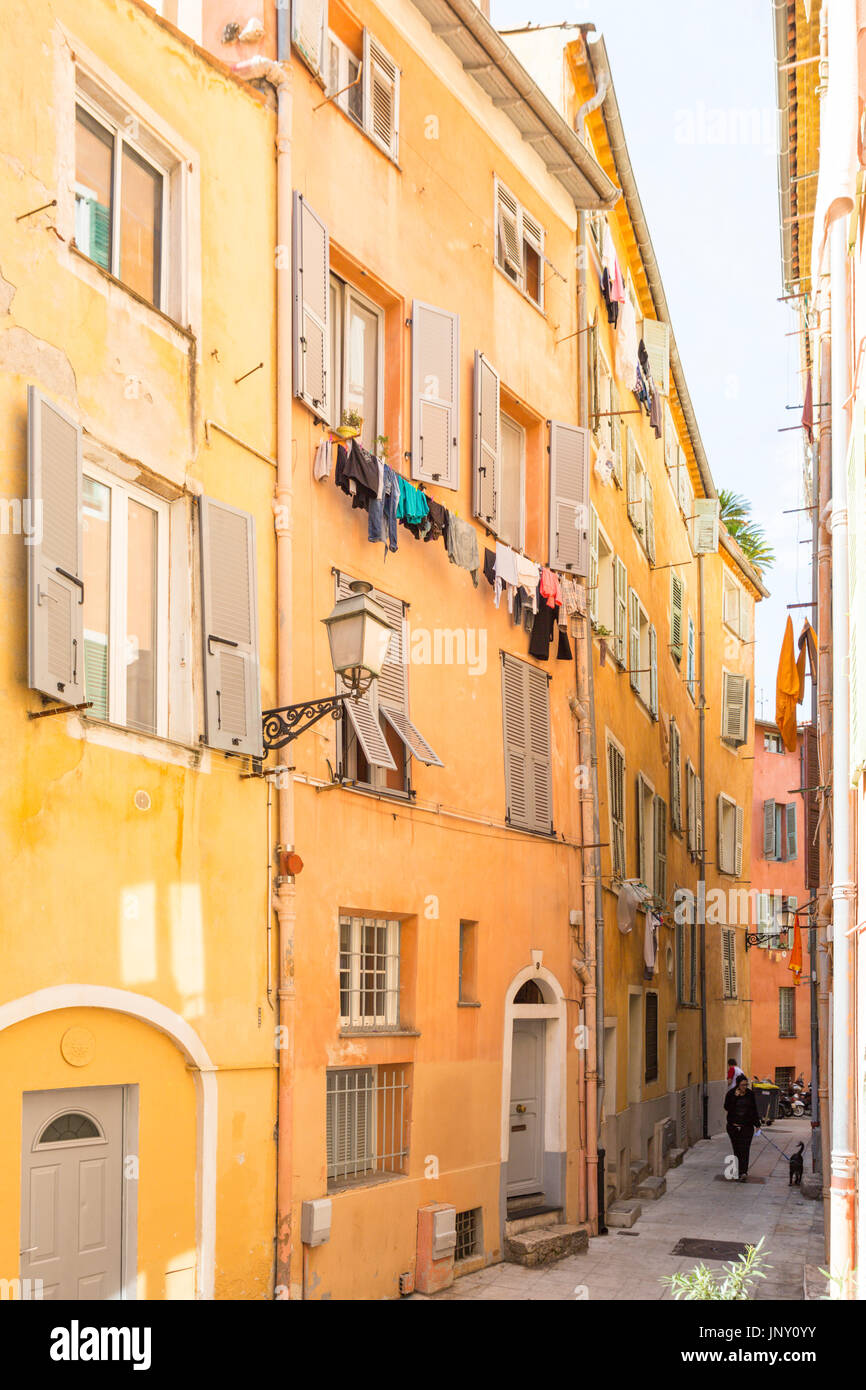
column 469, row 1003
column 340, row 1185
column 385, row 1032
column 377, row 793
column 134, row 294
column 520, row 290
column 156, row 746
column 366, row 134
column 683, row 1004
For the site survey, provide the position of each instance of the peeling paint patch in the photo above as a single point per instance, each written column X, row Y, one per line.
column 7, row 294
column 23, row 355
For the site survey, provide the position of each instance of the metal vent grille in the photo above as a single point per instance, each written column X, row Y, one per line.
column 468, row 1233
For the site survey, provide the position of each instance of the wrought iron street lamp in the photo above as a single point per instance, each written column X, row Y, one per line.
column 358, row 634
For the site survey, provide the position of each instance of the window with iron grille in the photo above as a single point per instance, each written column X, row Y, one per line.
column 784, row 1077
column 616, row 804
column 367, row 1122
column 787, row 1019
column 468, row 1234
column 369, row 972
column 651, row 1020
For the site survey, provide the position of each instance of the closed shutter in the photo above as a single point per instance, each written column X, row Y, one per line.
column 616, row 433
column 435, row 394
column 650, row 536
column 509, row 250
column 381, row 96
column 791, row 830
column 569, row 498
column 670, row 440
column 729, row 969
column 693, row 956
column 593, row 564
column 810, row 777
column 55, row 587
column 660, row 843
column 679, row 928
column 691, row 818
column 633, row 640
column 592, row 356
column 657, row 337
column 738, row 841
column 699, row 815
column 651, row 1021
column 486, row 444
column 309, row 21
column 642, row 865
column 690, row 664
column 539, row 750
column 312, row 348
column 705, row 526
column 735, row 694
column 676, row 618
column 676, row 779
column 634, row 493
column 654, row 673
column 526, row 726
column 233, row 710
column 770, row 830
column 620, row 612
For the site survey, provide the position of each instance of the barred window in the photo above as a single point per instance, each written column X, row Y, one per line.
column 787, row 1022
column 367, row 1122
column 468, row 1234
column 369, row 972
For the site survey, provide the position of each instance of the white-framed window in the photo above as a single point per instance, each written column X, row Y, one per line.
column 123, row 193
column 616, row 805
column 357, row 360
column 366, row 86
column 730, row 836
column 676, row 778
column 729, row 963
column 690, row 660
column 660, row 848
column 369, row 972
column 787, row 1012
column 519, row 244
column 602, row 578
column 367, row 1122
column 773, row 743
column 694, row 816
column 735, row 606
column 467, row 963
column 645, row 832
column 641, row 507
column 126, row 602
column 512, row 482
column 643, row 654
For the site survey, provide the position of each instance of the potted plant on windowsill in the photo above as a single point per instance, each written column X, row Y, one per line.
column 602, row 631
column 350, row 425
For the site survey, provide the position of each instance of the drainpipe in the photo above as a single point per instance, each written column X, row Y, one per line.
column 280, row 78
column 702, row 886
column 825, row 728
column 842, row 1156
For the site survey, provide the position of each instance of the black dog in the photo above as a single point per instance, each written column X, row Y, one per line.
column 795, row 1166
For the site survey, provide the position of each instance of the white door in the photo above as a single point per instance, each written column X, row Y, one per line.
column 71, row 1192
column 526, row 1111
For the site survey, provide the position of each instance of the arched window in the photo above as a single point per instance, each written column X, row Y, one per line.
column 529, row 993
column 68, row 1128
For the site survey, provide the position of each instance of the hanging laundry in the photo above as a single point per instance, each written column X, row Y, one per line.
column 656, row 411
column 650, row 943
column 789, row 689
column 437, row 520
column 323, row 460
column 608, row 253
column 573, row 595
column 463, row 546
column 382, row 523
column 528, row 575
column 626, row 360
column 604, row 466
column 611, row 304
column 563, row 647
column 806, row 419
column 490, row 565
column 546, row 621
column 550, row 588
column 505, row 573
column 618, row 292
column 357, row 473
column 412, row 507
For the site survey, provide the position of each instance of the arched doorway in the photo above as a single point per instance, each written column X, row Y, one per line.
column 533, row 1089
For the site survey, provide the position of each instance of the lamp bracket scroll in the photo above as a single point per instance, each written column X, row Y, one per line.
column 282, row 726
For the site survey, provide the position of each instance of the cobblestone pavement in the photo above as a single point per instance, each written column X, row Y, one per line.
column 630, row 1266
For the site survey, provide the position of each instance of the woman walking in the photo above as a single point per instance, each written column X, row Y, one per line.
column 743, row 1121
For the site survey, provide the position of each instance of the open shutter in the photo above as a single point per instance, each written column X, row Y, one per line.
column 690, row 662
column 592, row 355
column 233, row 710
column 735, row 689
column 391, row 684
column 381, row 95
column 660, row 847
column 312, row 349
column 593, row 564
column 721, row 848
column 634, row 493
column 642, row 866
column 539, row 750
column 654, row 673
column 791, row 830
column 415, row 742
column 676, row 779
column 55, row 586
column 699, row 816
column 616, row 433
column 620, row 615
column 738, row 841
column 368, row 731
column 309, row 21
column 435, row 394
column 633, row 640
column 686, row 492
column 657, row 340
column 676, row 618
column 691, row 822
column 486, row 444
column 650, row 536
column 510, row 255
column 705, row 526
column 671, row 456
column 727, row 972
column 569, row 498
column 770, row 830
column 810, row 777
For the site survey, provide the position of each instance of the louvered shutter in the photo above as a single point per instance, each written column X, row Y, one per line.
column 633, row 640
column 699, row 815
column 763, row 917
column 721, row 854
column 309, row 21
column 690, row 665
column 592, row 354
column 55, row 586
column 569, row 498
column 616, row 797
column 686, row 492
column 660, row 847
column 705, row 526
column 486, row 444
column 381, row 96
column 691, row 818
column 727, row 971
column 670, row 440
column 657, row 337
column 233, row 710
column 810, row 777
column 363, row 714
column 735, row 694
column 392, row 685
column 681, row 962
column 640, row 828
column 312, row 347
column 634, row 497
column 650, row 536
column 526, row 726
column 435, row 394
column 676, row 779
column 791, row 830
column 620, row 615
column 651, row 1030
column 770, row 829
column 593, row 564
column 539, row 750
column 738, row 841
column 732, row 959
column 676, row 618
column 654, row 673
column 509, row 254
column 616, row 432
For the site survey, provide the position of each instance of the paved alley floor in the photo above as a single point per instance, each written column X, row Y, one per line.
column 631, row 1265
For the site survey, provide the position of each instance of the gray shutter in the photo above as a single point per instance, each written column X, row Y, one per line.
column 676, row 779
column 620, row 612
column 739, row 819
column 649, row 510
column 391, row 683
column 538, row 704
column 569, row 498
column 55, row 587
column 435, row 394
column 368, row 731
column 593, row 565
column 308, row 30
column 641, row 833
column 233, row 709
column 691, row 811
column 676, row 617
column 311, row 270
column 633, row 640
column 381, row 79
column 486, row 444
column 514, row 724
column 634, row 496
column 415, row 743
column 770, row 829
column 654, row 673
column 661, row 848
column 791, row 830
column 699, row 820
column 509, row 251
column 734, row 699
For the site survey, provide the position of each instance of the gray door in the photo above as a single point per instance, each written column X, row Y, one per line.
column 526, row 1111
column 71, row 1192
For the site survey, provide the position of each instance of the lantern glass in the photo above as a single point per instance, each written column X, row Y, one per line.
column 358, row 633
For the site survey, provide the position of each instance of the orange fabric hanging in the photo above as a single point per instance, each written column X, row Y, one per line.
column 789, row 688
column 796, row 962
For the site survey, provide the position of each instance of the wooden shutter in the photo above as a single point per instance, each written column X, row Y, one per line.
column 654, row 672
column 642, row 866
column 392, row 686
column 620, row 610
column 592, row 356
column 526, row 727
column 633, row 640
column 679, row 928
column 233, row 710
column 728, row 966
column 738, row 841
column 509, row 249
column 735, row 694
column 721, row 845
column 691, row 818
column 676, row 618
column 363, row 714
column 676, row 779
column 705, row 526
column 616, row 804
column 381, row 81
column 539, row 750
column 770, row 830
column 810, row 776
column 415, row 742
column 616, row 433
column 686, row 491
column 657, row 337
column 650, row 537
column 791, row 830
column 593, row 564
column 368, row 731
column 309, row 21
column 569, row 498
column 55, row 585
column 435, row 394
column 699, row 815
column 670, row 443
column 312, row 344
column 633, row 495
column 651, row 1031
column 660, row 845
column 486, row 444
column 690, row 666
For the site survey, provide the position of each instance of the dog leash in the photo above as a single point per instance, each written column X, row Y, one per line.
column 787, row 1157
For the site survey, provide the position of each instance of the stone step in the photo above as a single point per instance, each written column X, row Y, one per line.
column 622, row 1213
column 675, row 1157
column 638, row 1171
column 532, row 1219
column 651, row 1189
column 525, row 1200
column 546, row 1245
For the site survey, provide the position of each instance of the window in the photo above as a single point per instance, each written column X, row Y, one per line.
column 468, row 1234
column 773, row 743
column 121, row 199
column 730, row 836
column 526, row 734
column 780, row 830
column 344, row 68
column 616, row 806
column 72, row 1128
column 378, row 737
column 735, row 708
column 366, row 87
column 367, row 1122
column 677, row 596
column 686, row 947
column 511, row 482
column 694, row 814
column 676, row 778
column 467, row 966
column 519, row 245
column 357, row 360
column 640, row 498
column 125, row 603
column 787, row 1015
column 735, row 606
column 690, row 661
column 768, row 908
column 602, row 578
column 620, row 611
column 643, row 655
column 685, row 490
column 784, row 1077
column 645, row 831
column 651, row 1036
column 729, row 963
column 660, row 869
column 369, row 972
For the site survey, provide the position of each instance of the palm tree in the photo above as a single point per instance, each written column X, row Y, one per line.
column 735, row 513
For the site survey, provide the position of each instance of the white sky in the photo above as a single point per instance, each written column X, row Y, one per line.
column 695, row 84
